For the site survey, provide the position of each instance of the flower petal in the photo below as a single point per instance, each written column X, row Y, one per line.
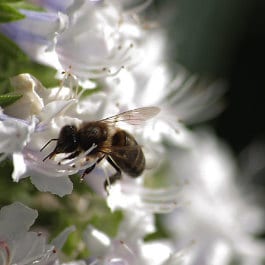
column 59, row 241
column 19, row 166
column 9, row 215
column 29, row 247
column 31, row 103
column 96, row 241
column 14, row 135
column 60, row 186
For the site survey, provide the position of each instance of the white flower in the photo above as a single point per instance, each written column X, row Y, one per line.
column 89, row 36
column 182, row 97
column 220, row 219
column 128, row 246
column 127, row 194
column 15, row 134
column 19, row 246
column 22, row 138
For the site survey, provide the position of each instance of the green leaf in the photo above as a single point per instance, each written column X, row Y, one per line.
column 11, row 191
column 8, row 99
column 107, row 223
column 8, row 13
column 14, row 61
column 43, row 73
column 161, row 231
column 9, row 49
column 22, row 5
column 9, row 1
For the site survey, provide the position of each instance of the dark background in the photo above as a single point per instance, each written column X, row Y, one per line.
column 224, row 39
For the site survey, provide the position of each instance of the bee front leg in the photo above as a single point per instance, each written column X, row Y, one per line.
column 113, row 178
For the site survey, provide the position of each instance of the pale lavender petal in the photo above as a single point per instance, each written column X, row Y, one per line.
column 57, row 185
column 28, row 248
column 59, row 241
column 9, row 216
column 54, row 5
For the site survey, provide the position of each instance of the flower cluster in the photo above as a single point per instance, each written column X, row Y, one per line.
column 20, row 246
column 114, row 71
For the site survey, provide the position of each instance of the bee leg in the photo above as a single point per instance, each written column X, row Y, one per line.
column 89, row 169
column 113, row 178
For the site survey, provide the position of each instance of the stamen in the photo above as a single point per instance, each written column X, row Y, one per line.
column 77, row 159
column 105, row 67
column 121, row 55
column 68, row 77
column 126, row 247
column 59, row 168
column 49, row 168
column 183, row 89
column 101, row 73
column 156, row 200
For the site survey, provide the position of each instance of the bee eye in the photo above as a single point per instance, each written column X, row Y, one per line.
column 95, row 131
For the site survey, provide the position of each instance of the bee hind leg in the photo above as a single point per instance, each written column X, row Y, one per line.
column 89, row 169
column 113, row 178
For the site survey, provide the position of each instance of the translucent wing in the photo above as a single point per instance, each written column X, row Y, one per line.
column 135, row 116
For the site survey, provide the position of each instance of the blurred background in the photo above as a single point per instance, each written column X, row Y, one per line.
column 224, row 39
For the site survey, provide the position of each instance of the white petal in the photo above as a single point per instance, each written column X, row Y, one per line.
column 14, row 135
column 31, row 103
column 79, row 262
column 60, row 186
column 19, row 166
column 29, row 247
column 96, row 241
column 156, row 252
column 53, row 109
column 135, row 225
column 16, row 219
column 59, row 241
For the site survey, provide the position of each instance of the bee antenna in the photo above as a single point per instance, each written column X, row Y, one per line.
column 48, row 143
column 49, row 156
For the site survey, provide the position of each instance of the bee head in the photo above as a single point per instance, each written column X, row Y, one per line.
column 66, row 143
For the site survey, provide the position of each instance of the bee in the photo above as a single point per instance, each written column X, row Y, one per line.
column 112, row 143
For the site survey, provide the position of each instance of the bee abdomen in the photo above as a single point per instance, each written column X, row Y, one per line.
column 128, row 155
column 137, row 164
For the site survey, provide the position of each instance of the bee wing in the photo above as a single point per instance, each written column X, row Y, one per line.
column 135, row 116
